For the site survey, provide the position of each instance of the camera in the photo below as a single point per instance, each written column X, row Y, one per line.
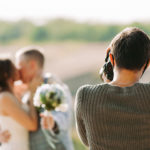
column 107, row 69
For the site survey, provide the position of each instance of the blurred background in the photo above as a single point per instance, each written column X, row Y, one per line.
column 74, row 34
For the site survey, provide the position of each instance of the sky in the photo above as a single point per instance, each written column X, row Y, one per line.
column 117, row 11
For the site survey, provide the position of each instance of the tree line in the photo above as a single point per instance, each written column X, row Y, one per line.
column 62, row 30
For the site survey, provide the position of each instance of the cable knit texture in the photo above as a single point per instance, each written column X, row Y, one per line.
column 114, row 118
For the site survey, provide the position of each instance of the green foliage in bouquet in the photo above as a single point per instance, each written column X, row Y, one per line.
column 48, row 96
column 50, row 100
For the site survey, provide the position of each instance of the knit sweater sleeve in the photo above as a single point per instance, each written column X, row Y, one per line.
column 78, row 117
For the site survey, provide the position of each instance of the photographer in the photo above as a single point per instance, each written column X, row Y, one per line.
column 116, row 115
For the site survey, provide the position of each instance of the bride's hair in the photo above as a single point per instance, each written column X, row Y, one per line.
column 7, row 71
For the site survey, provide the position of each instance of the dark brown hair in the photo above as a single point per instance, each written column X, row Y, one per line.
column 7, row 71
column 131, row 48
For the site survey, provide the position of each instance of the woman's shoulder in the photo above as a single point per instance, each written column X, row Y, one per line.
column 87, row 93
column 6, row 96
column 87, row 87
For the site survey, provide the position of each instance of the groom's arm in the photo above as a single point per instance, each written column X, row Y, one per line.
column 57, row 121
column 61, row 121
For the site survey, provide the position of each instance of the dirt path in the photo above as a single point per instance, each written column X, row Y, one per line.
column 85, row 58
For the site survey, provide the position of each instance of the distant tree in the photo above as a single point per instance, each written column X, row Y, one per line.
column 39, row 34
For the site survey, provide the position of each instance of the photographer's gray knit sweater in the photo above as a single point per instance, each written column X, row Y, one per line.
column 114, row 118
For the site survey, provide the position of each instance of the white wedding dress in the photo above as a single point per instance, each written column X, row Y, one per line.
column 19, row 135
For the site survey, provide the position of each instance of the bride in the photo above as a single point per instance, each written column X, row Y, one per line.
column 13, row 116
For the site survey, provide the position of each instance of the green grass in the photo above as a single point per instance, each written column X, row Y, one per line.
column 77, row 142
column 87, row 78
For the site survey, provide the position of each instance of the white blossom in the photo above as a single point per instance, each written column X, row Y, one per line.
column 49, row 94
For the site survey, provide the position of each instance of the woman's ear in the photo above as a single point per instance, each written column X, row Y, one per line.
column 111, row 57
column 148, row 64
column 108, row 50
column 145, row 66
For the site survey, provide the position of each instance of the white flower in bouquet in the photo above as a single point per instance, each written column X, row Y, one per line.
column 49, row 96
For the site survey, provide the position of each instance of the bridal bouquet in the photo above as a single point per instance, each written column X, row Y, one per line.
column 50, row 97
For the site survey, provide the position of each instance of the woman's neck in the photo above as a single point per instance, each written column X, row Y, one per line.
column 125, row 78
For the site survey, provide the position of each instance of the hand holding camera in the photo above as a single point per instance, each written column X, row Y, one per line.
column 106, row 72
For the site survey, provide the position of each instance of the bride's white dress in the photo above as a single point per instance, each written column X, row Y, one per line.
column 19, row 135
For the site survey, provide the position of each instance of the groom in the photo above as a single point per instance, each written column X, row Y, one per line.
column 30, row 62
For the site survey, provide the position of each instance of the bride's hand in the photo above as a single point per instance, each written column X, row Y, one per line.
column 4, row 136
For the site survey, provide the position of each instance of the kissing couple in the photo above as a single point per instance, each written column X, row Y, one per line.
column 19, row 117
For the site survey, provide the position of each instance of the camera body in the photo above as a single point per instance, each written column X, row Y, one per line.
column 107, row 68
